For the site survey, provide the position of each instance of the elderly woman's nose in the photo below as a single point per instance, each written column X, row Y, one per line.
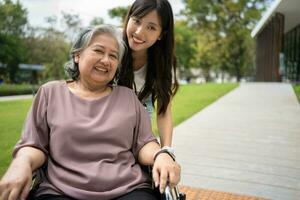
column 105, row 59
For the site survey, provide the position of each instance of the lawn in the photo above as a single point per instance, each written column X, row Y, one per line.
column 12, row 115
column 189, row 100
column 297, row 90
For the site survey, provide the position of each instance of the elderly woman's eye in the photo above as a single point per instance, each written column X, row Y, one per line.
column 114, row 56
column 99, row 50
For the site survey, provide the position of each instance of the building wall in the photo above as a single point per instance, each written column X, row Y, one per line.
column 268, row 47
column 292, row 55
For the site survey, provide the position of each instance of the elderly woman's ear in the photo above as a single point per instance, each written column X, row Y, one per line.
column 76, row 58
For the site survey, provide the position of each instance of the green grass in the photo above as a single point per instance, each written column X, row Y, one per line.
column 297, row 91
column 12, row 115
column 189, row 100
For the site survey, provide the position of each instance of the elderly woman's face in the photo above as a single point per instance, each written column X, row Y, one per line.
column 98, row 62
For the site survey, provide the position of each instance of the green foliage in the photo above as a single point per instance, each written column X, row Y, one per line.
column 13, row 19
column 226, row 24
column 51, row 49
column 96, row 21
column 119, row 13
column 297, row 91
column 12, row 115
column 210, row 52
column 185, row 40
column 10, row 89
column 57, row 55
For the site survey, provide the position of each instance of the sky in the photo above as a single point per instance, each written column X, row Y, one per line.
column 38, row 10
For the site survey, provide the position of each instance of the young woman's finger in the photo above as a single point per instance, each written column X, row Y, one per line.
column 155, row 176
column 163, row 179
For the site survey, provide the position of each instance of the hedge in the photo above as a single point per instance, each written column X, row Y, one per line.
column 12, row 89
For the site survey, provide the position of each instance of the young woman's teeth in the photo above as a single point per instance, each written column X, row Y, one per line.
column 137, row 40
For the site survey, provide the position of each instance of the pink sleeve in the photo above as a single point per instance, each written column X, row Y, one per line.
column 143, row 131
column 35, row 130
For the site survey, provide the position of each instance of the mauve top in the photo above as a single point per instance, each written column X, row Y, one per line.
column 91, row 146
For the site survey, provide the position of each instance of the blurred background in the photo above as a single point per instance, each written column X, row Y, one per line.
column 213, row 38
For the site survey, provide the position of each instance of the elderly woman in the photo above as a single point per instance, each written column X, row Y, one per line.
column 87, row 137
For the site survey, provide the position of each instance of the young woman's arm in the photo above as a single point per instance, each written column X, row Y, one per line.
column 16, row 182
column 165, row 170
column 165, row 126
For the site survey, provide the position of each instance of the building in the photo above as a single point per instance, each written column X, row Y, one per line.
column 29, row 73
column 277, row 37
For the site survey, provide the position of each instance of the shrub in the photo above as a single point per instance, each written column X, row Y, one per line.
column 12, row 89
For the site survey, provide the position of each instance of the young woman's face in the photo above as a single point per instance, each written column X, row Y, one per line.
column 143, row 32
column 98, row 62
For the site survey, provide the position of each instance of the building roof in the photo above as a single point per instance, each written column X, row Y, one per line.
column 289, row 8
column 32, row 67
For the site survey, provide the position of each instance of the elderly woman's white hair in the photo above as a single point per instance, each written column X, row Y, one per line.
column 83, row 41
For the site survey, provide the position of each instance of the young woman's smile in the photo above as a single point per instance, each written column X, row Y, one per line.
column 143, row 32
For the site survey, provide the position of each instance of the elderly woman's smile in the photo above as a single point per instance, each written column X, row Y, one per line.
column 98, row 61
column 101, row 69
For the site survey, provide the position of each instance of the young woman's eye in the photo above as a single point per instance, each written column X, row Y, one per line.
column 136, row 20
column 152, row 28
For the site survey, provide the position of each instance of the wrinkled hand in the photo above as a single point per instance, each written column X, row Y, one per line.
column 16, row 182
column 165, row 172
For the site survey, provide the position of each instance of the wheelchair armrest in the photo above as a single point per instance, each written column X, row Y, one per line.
column 173, row 194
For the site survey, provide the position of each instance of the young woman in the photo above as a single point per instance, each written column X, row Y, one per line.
column 149, row 66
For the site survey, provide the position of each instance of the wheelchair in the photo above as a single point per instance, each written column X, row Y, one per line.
column 169, row 194
column 173, row 194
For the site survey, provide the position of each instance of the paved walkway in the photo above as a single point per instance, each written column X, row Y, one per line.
column 247, row 142
column 204, row 194
column 16, row 97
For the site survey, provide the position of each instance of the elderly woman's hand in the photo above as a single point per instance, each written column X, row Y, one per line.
column 165, row 172
column 16, row 182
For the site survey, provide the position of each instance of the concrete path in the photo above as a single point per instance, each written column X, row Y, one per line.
column 16, row 97
column 247, row 142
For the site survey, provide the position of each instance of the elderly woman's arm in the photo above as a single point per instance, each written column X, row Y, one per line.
column 16, row 182
column 165, row 170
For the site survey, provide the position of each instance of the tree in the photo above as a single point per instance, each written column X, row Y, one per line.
column 49, row 48
column 13, row 19
column 185, row 42
column 96, row 21
column 73, row 24
column 57, row 54
column 208, row 51
column 229, row 21
column 119, row 13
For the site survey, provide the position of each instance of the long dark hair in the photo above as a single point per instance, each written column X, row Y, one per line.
column 161, row 81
